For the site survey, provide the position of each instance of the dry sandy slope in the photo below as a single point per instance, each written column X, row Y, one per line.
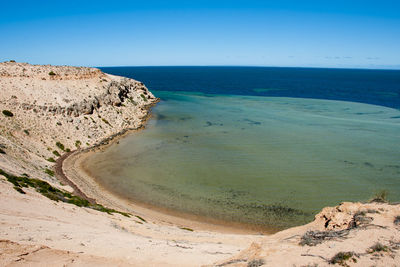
column 86, row 235
column 87, row 105
column 353, row 227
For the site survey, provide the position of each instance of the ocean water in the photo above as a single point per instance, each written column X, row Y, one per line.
column 259, row 154
column 378, row 87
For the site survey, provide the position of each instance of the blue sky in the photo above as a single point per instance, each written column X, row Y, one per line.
column 350, row 34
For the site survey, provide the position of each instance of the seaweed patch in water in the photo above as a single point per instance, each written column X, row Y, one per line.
column 185, row 118
column 161, row 117
column 277, row 215
column 368, row 164
column 208, row 123
column 251, row 122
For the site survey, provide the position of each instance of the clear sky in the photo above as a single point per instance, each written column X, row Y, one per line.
column 339, row 33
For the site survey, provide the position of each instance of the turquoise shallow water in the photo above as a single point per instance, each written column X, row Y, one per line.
column 268, row 161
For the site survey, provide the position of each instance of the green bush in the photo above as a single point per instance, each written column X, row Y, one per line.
column 256, row 263
column 341, row 257
column 143, row 97
column 60, row 146
column 378, row 247
column 8, row 113
column 55, row 152
column 19, row 189
column 49, row 172
column 78, row 143
column 51, row 160
column 130, row 99
column 51, row 73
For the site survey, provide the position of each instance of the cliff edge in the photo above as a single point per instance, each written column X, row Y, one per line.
column 49, row 110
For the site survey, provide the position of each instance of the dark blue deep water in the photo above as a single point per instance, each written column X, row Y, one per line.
column 379, row 87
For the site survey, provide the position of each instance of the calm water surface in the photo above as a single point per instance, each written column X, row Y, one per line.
column 262, row 160
column 238, row 144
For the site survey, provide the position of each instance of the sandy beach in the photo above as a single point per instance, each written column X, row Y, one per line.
column 74, row 170
column 39, row 228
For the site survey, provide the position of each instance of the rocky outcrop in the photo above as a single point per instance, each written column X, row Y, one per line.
column 350, row 234
column 75, row 106
column 115, row 94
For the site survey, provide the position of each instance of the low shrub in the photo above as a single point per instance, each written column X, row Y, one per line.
column 8, row 113
column 51, row 160
column 60, row 145
column 53, row 193
column 19, row 189
column 313, row 238
column 51, row 73
column 55, row 152
column 341, row 258
column 378, row 247
column 49, row 172
column 143, row 97
column 256, row 263
column 130, row 99
column 78, row 143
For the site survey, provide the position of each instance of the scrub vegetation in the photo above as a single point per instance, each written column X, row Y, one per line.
column 341, row 258
column 8, row 113
column 51, row 160
column 49, row 191
column 60, row 145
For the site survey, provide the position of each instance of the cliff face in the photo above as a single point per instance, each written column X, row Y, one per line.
column 59, row 108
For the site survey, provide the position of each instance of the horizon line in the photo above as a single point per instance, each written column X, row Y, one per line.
column 250, row 66
column 395, row 68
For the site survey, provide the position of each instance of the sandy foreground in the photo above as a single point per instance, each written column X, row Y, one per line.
column 56, row 109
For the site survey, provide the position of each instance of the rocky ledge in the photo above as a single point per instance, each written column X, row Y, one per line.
column 49, row 110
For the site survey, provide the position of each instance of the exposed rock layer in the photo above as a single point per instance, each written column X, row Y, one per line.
column 75, row 107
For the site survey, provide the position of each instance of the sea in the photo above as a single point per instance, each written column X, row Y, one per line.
column 264, row 147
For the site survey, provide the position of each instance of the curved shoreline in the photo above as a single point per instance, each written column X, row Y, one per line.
column 69, row 170
column 58, row 168
column 102, row 191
